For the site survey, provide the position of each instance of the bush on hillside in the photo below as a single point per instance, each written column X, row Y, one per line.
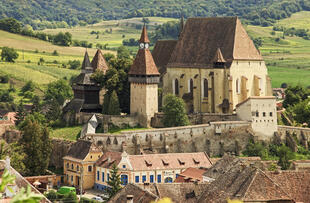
column 9, row 54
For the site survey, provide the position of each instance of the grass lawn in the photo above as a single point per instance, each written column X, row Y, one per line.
column 67, row 133
column 291, row 76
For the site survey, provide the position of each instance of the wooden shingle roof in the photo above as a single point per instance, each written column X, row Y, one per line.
column 99, row 63
column 202, row 37
column 86, row 62
column 144, row 38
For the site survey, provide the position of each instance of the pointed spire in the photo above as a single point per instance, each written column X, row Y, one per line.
column 99, row 62
column 218, row 58
column 86, row 62
column 144, row 38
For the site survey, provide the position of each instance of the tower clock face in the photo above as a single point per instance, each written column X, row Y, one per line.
column 141, row 45
column 146, row 46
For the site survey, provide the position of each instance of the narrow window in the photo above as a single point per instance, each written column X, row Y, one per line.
column 137, row 179
column 108, row 176
column 143, row 179
column 102, row 177
column 124, row 179
column 176, row 87
column 270, row 114
column 205, row 88
column 89, row 168
column 98, row 175
column 159, row 178
column 191, row 86
column 151, row 178
column 257, row 114
column 67, row 165
column 72, row 167
column 237, row 86
column 264, row 114
column 77, row 168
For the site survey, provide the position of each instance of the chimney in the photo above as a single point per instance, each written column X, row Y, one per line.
column 109, row 159
column 129, row 198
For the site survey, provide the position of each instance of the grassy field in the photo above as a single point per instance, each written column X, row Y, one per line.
column 288, row 60
column 121, row 29
column 68, row 133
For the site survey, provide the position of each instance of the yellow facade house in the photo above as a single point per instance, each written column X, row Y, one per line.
column 80, row 162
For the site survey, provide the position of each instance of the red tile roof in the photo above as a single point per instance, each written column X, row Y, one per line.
column 108, row 159
column 143, row 64
column 144, row 38
column 169, row 161
column 193, row 174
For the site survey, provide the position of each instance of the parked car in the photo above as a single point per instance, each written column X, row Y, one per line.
column 65, row 190
column 99, row 199
column 104, row 196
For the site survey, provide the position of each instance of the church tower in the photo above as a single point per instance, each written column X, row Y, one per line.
column 144, row 79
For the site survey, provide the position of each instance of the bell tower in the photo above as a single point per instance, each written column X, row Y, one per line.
column 144, row 79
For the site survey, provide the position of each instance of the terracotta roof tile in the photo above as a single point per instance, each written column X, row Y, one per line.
column 169, row 161
column 192, row 173
column 98, row 62
column 139, row 195
column 202, row 37
column 108, row 159
column 143, row 64
column 295, row 183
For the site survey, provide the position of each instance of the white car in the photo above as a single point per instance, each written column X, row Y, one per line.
column 99, row 199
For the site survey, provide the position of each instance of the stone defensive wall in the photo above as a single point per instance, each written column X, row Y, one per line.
column 215, row 138
column 294, row 136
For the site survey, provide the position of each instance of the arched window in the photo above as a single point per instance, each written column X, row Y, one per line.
column 237, row 86
column 190, row 86
column 176, row 87
column 205, row 88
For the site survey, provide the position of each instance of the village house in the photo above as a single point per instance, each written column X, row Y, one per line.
column 80, row 162
column 147, row 168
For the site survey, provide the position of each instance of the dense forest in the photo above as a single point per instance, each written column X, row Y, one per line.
column 42, row 14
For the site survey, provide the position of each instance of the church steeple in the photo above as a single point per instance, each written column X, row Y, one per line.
column 144, row 64
column 86, row 61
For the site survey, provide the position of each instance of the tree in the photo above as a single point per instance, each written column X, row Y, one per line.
column 123, row 53
column 21, row 113
column 58, row 91
column 114, row 181
column 106, row 101
column 174, row 111
column 9, row 54
column 256, row 149
column 285, row 155
column 28, row 87
column 5, row 96
column 294, row 95
column 11, row 25
column 16, row 154
column 37, row 146
column 63, row 39
column 36, row 104
column 114, row 104
column 75, row 64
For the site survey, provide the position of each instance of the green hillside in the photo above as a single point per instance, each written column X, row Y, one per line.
column 61, row 13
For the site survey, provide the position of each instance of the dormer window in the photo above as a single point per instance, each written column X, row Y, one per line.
column 196, row 161
column 148, row 163
column 181, row 162
column 165, row 163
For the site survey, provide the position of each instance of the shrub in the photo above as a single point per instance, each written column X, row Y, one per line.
column 4, row 79
column 174, row 111
column 29, row 86
column 55, row 53
column 9, row 54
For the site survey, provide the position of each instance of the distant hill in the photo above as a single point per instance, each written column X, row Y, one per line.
column 61, row 13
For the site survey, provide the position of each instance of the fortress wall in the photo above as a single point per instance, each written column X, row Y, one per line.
column 215, row 138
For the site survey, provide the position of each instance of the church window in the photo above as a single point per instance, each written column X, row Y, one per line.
column 176, row 87
column 190, row 86
column 270, row 114
column 237, row 86
column 264, row 114
column 205, row 88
